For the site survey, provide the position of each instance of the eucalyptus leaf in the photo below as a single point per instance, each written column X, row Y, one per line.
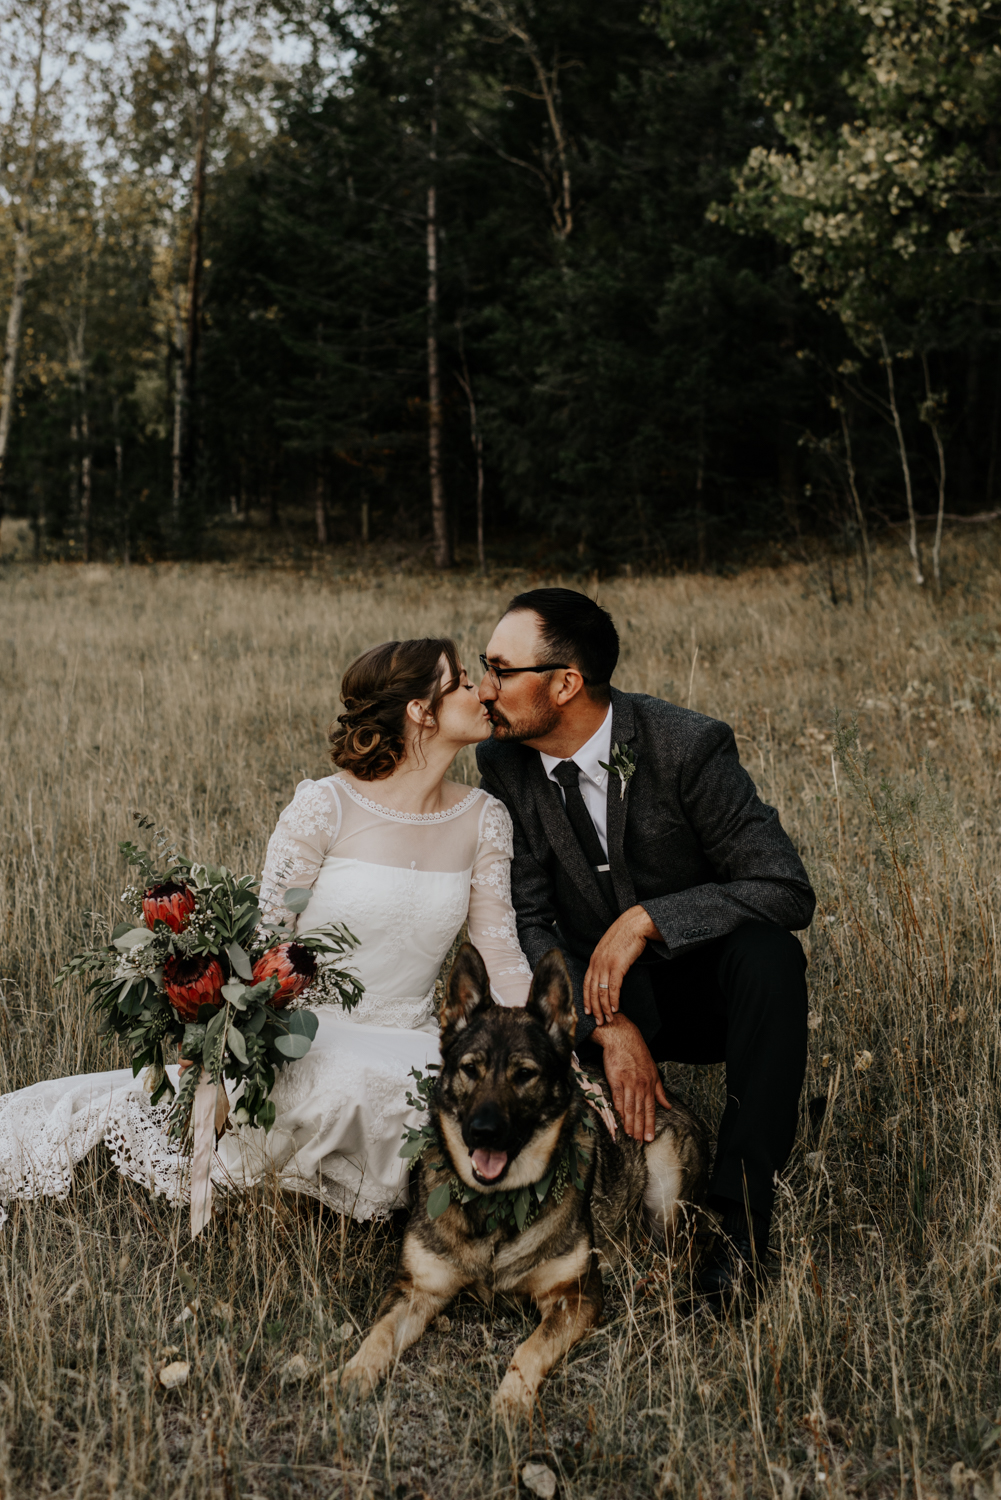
column 297, row 900
column 234, row 992
column 236, row 1044
column 165, row 1087
column 136, row 937
column 438, row 1200
column 265, row 990
column 302, row 1023
column 215, row 1025
column 257, row 1020
column 240, row 961
column 266, row 1115
column 291, row 1045
column 544, row 1183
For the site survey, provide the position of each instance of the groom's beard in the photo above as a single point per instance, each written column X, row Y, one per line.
column 540, row 718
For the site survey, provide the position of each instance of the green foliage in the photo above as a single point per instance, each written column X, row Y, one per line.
column 887, row 201
column 646, row 221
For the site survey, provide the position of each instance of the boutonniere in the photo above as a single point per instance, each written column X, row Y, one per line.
column 622, row 764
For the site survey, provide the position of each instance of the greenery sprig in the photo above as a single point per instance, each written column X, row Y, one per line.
column 623, row 763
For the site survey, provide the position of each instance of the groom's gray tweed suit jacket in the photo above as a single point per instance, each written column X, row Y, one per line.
column 690, row 840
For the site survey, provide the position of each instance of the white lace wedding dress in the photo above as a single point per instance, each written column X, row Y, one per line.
column 403, row 883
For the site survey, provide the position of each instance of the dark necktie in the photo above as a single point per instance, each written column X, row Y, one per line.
column 637, row 999
column 567, row 773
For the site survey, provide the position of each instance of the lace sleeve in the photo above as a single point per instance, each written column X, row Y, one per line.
column 492, row 926
column 307, row 830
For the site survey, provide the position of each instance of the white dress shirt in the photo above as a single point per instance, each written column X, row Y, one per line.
column 593, row 778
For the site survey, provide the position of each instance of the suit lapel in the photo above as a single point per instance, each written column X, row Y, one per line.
column 617, row 804
column 562, row 837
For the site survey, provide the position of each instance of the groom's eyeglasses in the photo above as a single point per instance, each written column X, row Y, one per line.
column 497, row 674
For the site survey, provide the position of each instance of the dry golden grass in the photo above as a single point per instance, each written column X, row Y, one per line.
column 200, row 696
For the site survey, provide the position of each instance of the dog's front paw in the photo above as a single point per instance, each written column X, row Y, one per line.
column 513, row 1399
column 360, row 1377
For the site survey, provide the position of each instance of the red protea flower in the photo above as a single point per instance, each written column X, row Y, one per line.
column 191, row 982
column 293, row 964
column 172, row 902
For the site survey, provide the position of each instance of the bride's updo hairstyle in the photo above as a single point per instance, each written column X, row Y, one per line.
column 368, row 738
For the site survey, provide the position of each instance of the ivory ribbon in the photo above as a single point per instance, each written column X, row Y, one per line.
column 208, row 1114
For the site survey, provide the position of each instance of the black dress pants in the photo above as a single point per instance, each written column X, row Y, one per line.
column 741, row 1000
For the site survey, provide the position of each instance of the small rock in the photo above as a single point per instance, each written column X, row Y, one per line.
column 298, row 1367
column 442, row 1324
column 175, row 1374
column 540, row 1479
column 342, row 1334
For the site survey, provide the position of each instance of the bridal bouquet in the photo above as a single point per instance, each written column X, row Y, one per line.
column 198, row 967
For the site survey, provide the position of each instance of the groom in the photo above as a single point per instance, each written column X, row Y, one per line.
column 669, row 885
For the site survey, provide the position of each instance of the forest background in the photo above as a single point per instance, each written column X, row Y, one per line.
column 586, row 285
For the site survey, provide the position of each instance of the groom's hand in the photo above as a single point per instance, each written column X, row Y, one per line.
column 611, row 960
column 632, row 1077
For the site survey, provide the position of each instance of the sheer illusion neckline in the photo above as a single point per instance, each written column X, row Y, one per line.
column 408, row 817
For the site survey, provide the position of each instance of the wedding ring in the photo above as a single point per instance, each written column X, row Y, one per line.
column 603, row 986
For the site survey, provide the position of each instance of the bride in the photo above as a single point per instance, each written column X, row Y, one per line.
column 400, row 855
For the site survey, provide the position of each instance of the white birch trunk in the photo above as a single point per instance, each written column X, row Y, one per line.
column 177, row 444
column 931, row 417
column 22, row 261
column 857, row 502
column 476, row 438
column 120, row 508
column 184, row 393
column 320, row 510
column 912, row 535
column 439, row 513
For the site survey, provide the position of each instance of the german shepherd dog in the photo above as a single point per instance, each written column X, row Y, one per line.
column 507, row 1113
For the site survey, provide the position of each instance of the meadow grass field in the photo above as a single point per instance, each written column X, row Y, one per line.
column 200, row 696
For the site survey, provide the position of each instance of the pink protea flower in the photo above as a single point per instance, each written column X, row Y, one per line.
column 191, row 982
column 172, row 902
column 293, row 964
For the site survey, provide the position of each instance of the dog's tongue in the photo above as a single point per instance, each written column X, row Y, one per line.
column 489, row 1164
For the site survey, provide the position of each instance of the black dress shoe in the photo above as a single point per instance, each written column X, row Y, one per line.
column 730, row 1270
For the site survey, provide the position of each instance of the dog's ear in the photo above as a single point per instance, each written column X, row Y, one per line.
column 550, row 1000
column 467, row 991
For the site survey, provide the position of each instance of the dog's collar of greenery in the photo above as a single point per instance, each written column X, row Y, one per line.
column 518, row 1206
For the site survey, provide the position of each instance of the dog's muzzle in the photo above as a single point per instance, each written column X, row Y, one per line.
column 484, row 1133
